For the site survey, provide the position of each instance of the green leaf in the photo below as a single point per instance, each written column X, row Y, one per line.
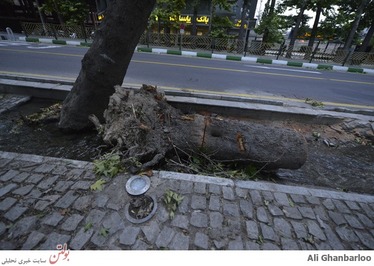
column 98, row 185
column 87, row 227
column 104, row 232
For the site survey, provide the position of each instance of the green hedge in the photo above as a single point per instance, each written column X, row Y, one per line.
column 264, row 61
column 295, row 64
column 29, row 39
column 356, row 70
column 206, row 55
column 144, row 49
column 174, row 52
column 59, row 42
column 233, row 57
column 325, row 67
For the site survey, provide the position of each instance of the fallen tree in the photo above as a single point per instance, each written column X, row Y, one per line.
column 146, row 129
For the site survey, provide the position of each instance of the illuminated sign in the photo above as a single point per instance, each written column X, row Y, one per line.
column 187, row 19
column 237, row 24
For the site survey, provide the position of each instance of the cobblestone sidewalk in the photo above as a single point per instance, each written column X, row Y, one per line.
column 47, row 201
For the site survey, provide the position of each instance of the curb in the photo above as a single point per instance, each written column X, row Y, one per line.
column 257, row 60
column 216, row 56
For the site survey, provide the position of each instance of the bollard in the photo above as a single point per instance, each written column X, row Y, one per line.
column 10, row 34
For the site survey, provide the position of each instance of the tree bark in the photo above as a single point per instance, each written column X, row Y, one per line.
column 106, row 62
column 296, row 29
column 144, row 127
column 368, row 37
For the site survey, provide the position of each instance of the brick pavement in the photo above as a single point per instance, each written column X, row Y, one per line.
column 47, row 201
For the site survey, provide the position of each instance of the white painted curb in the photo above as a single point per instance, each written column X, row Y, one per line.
column 340, row 68
column 188, row 53
column 310, row 65
column 219, row 56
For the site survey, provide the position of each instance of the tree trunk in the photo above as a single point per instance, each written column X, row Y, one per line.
column 368, row 37
column 296, row 29
column 105, row 63
column 355, row 23
column 145, row 128
column 313, row 34
column 242, row 18
column 194, row 17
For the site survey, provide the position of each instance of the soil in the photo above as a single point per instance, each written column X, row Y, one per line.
column 339, row 157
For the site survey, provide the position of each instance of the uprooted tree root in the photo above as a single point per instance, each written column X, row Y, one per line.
column 146, row 129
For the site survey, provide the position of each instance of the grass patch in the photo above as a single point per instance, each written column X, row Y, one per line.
column 355, row 70
column 145, row 49
column 324, row 67
column 205, row 55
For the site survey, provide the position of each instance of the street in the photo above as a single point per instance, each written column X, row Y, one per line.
column 213, row 75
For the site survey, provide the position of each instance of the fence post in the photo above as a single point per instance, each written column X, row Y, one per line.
column 281, row 49
column 348, row 55
column 54, row 31
column 314, row 52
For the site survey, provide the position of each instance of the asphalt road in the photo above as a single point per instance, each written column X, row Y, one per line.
column 177, row 72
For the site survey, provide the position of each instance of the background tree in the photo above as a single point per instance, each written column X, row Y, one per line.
column 106, row 62
column 71, row 12
column 166, row 14
column 368, row 22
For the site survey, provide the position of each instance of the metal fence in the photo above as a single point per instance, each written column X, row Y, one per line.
column 321, row 52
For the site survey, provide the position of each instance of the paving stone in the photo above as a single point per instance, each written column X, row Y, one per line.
column 268, row 232
column 256, row 197
column 299, row 229
column 365, row 220
column 246, row 207
column 214, row 203
column 5, row 190
column 305, row 246
column 82, row 203
column 44, row 168
column 313, row 200
column 199, row 219
column 282, row 198
column 55, row 239
column 180, row 242
column 369, row 212
column 75, row 174
column 236, row 244
column 201, row 240
column 199, row 188
column 33, row 196
column 231, row 209
column 252, row 229
column 267, row 196
column 328, row 204
column 22, row 191
column 34, row 179
column 95, row 217
column 113, row 206
column 216, row 220
column 98, row 239
column 323, row 246
column 59, row 170
column 20, row 177
column 341, row 206
column 81, row 238
column 315, row 230
column 162, row 214
column 7, row 203
column 353, row 205
column 151, row 231
column 282, row 227
column 321, row 213
column 346, row 234
column 180, row 221
column 228, row 193
column 184, row 206
column 366, row 239
column 262, row 215
column 198, row 202
column 81, row 185
column 46, row 201
column 53, row 219
column 62, row 186
column 100, row 201
column 129, row 235
column 353, row 221
column 6, row 245
column 66, row 200
column 185, row 187
column 307, row 212
column 72, row 222
column 4, row 162
column 297, row 198
column 249, row 245
column 241, row 192
column 274, row 210
column 338, row 218
column 9, row 175
column 47, row 183
column 3, row 228
column 140, row 245
column 164, row 238
column 23, row 226
column 214, row 189
column 292, row 212
column 114, row 222
column 270, row 246
column 289, row 244
column 221, row 244
column 15, row 212
column 33, row 240
column 332, row 239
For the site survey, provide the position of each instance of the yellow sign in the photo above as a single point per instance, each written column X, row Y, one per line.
column 239, row 23
column 188, row 19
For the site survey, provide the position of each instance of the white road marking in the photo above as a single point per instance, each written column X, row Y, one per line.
column 286, row 69
column 43, row 47
column 39, row 46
